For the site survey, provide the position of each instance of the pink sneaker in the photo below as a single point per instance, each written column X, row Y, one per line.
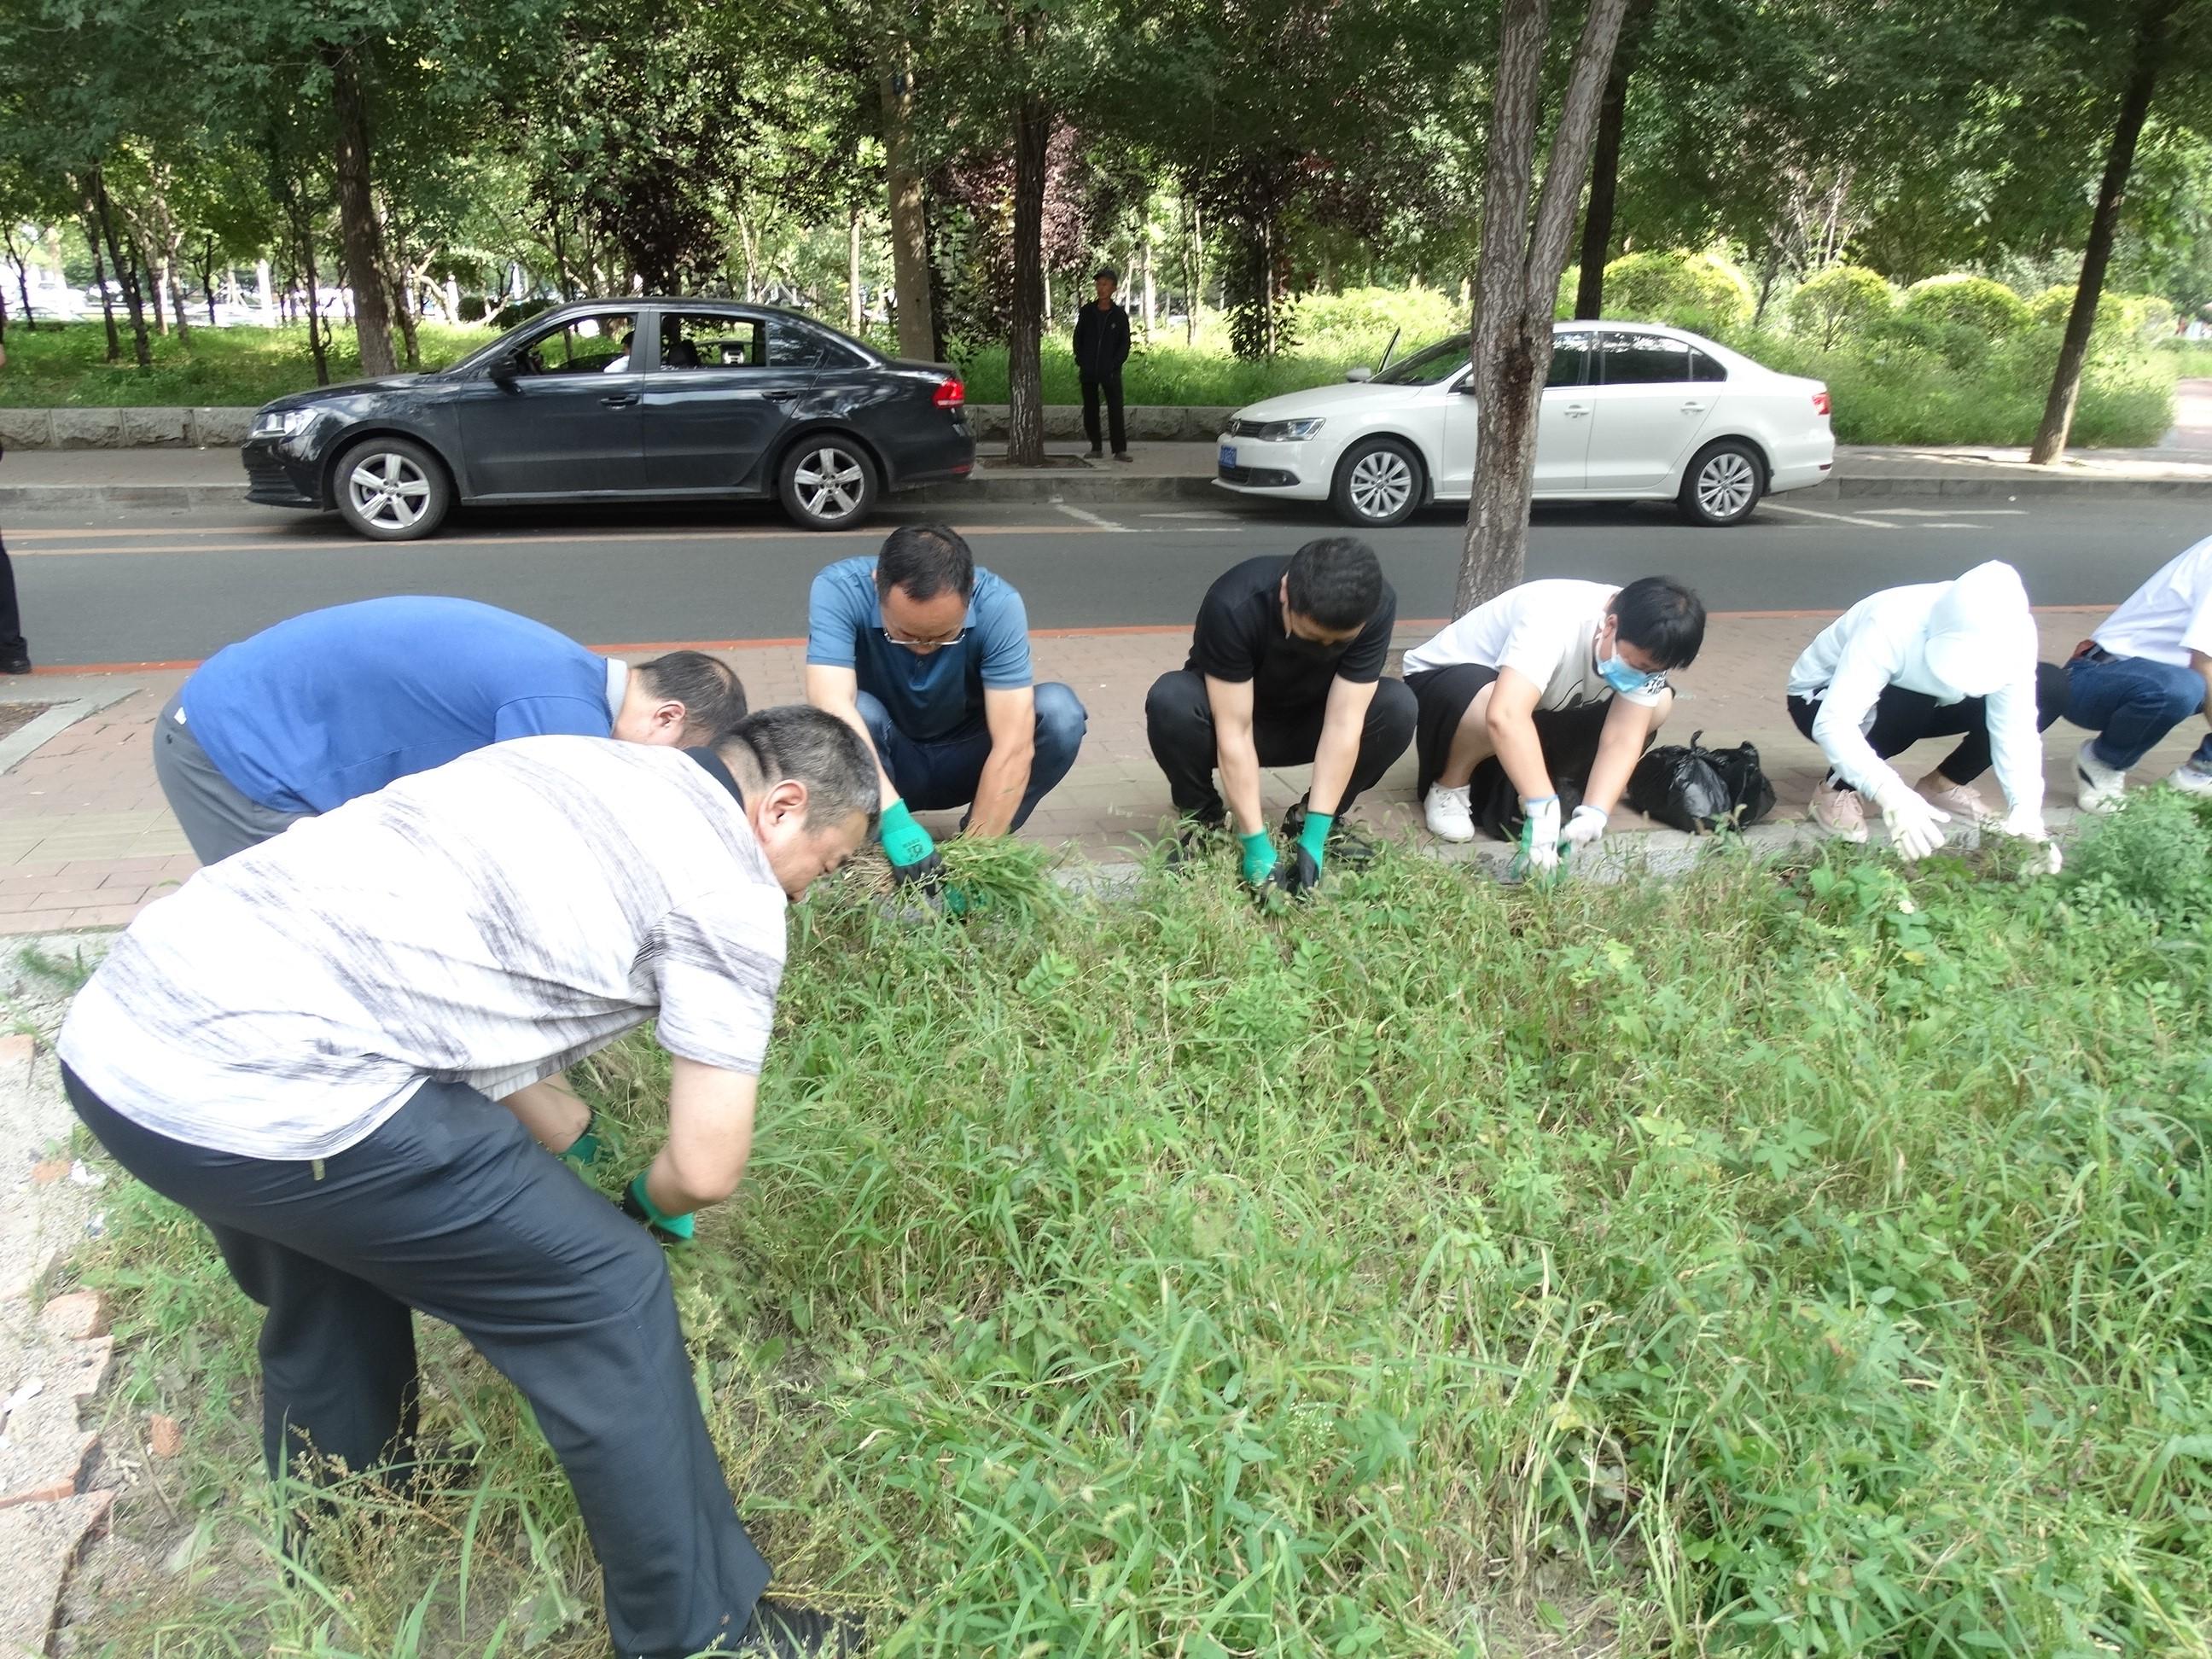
column 1840, row 811
column 1962, row 801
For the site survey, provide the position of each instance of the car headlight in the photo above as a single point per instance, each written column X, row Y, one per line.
column 282, row 422
column 1283, row 432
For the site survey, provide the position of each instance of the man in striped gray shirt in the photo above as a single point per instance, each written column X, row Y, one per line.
column 327, row 1048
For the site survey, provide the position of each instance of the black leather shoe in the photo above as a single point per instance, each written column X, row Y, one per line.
column 16, row 658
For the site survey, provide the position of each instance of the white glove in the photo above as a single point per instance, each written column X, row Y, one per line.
column 1585, row 826
column 1539, row 833
column 2027, row 824
column 1915, row 827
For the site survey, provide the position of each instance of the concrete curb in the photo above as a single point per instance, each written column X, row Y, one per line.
column 1107, row 490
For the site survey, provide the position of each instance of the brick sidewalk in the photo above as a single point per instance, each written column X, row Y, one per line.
column 86, row 839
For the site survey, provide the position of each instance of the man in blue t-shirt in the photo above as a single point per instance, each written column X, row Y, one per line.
column 337, row 703
column 930, row 658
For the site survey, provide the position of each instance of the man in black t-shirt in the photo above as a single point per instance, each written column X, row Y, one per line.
column 1285, row 669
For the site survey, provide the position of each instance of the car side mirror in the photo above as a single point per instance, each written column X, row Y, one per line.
column 1466, row 388
column 1358, row 376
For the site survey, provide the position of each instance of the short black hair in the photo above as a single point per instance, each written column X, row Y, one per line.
column 1335, row 582
column 805, row 745
column 1661, row 616
column 925, row 560
column 712, row 696
column 1106, row 274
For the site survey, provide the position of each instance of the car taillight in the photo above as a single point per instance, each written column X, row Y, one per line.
column 1821, row 401
column 950, row 394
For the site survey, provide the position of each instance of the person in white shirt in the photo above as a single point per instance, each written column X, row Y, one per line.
column 1538, row 678
column 340, row 1049
column 2144, row 673
column 1954, row 658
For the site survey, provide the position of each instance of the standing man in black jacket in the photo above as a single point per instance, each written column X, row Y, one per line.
column 1102, row 346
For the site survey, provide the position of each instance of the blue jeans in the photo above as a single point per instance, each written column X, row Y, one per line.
column 932, row 776
column 2131, row 704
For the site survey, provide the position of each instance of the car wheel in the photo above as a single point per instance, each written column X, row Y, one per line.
column 1377, row 484
column 391, row 490
column 827, row 483
column 1723, row 484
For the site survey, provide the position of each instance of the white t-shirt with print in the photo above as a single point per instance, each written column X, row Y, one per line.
column 489, row 922
column 2169, row 616
column 1545, row 630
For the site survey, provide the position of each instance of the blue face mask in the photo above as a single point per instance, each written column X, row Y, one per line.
column 1616, row 673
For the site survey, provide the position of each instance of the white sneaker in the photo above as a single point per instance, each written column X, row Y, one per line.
column 2188, row 779
column 1961, row 800
column 1451, row 817
column 2097, row 786
column 1839, row 810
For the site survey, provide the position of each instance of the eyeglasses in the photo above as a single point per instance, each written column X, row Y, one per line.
column 937, row 644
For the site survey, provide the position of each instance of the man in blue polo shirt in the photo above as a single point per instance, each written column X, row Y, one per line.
column 929, row 657
column 307, row 715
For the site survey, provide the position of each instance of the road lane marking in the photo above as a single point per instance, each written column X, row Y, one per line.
column 1092, row 518
column 558, row 539
column 1833, row 518
column 1949, row 512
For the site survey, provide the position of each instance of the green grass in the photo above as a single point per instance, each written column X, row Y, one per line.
column 68, row 367
column 2192, row 359
column 1777, row 1260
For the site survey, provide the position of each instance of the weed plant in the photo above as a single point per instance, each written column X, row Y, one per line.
column 1783, row 1259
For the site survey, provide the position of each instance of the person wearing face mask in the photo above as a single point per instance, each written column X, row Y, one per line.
column 1536, row 676
column 1954, row 658
column 332, row 1048
column 1285, row 669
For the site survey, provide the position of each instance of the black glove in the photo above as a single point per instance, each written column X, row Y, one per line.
column 1299, row 872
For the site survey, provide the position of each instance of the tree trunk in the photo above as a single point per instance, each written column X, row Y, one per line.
column 2081, row 321
column 100, row 281
column 1024, row 361
column 22, row 280
column 853, row 301
column 1605, row 165
column 176, row 298
column 392, row 248
column 1518, row 277
column 357, row 229
column 127, row 275
column 902, row 188
column 1149, row 300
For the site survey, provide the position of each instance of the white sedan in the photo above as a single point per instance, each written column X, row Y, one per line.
column 1632, row 411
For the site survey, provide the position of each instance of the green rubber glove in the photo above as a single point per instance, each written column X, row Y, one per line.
column 1314, row 836
column 584, row 1150
column 1259, row 857
column 638, row 1206
column 912, row 854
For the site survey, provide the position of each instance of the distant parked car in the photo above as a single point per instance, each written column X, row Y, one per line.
column 643, row 399
column 1632, row 411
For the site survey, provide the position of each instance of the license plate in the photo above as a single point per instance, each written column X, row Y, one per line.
column 1228, row 455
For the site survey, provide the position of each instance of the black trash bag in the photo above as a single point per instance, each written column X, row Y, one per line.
column 1749, row 792
column 1569, row 738
column 1699, row 790
column 1679, row 787
column 1496, row 802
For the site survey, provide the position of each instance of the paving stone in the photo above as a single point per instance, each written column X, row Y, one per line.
column 76, row 1316
column 43, row 1455
column 40, row 1543
column 80, row 1369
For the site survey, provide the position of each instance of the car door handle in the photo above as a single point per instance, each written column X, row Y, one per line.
column 784, row 397
column 1693, row 407
column 1575, row 411
column 620, row 400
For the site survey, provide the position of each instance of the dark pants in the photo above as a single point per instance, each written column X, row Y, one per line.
column 1108, row 385
column 1179, row 721
column 1903, row 717
column 450, row 1208
column 936, row 776
column 11, row 613
column 1568, row 737
column 2131, row 704
column 218, row 817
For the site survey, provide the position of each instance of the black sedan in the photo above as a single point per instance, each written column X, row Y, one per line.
column 643, row 399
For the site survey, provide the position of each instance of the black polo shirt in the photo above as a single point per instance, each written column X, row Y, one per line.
column 1240, row 636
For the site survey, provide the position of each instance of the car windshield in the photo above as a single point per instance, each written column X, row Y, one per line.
column 1429, row 366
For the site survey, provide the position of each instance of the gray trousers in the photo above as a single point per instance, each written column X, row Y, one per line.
column 449, row 1207
column 218, row 819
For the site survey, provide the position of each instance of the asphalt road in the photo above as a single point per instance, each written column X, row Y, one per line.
column 138, row 586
